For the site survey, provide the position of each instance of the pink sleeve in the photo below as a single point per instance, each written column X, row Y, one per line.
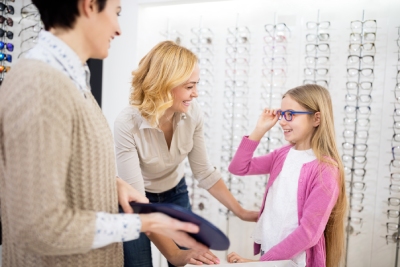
column 243, row 163
column 316, row 212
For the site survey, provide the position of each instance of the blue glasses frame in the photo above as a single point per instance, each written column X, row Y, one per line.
column 6, row 57
column 8, row 46
column 288, row 114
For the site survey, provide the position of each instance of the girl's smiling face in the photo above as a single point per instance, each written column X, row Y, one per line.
column 300, row 129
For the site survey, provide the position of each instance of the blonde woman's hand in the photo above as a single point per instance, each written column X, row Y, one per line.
column 267, row 119
column 194, row 257
column 233, row 257
column 126, row 194
column 208, row 258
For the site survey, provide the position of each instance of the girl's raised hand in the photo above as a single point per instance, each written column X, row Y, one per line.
column 266, row 121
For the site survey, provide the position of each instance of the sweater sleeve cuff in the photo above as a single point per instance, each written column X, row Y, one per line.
column 247, row 144
column 112, row 228
column 266, row 257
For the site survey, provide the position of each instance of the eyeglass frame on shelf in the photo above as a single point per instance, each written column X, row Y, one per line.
column 354, row 171
column 317, row 25
column 362, row 24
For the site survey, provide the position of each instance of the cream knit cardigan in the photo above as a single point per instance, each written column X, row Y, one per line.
column 57, row 169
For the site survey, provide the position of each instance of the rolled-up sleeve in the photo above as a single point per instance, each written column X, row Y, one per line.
column 128, row 164
column 206, row 174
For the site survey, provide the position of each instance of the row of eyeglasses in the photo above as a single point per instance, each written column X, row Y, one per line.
column 235, row 110
column 360, row 75
column 31, row 25
column 393, row 212
column 274, row 74
column 317, row 53
column 6, row 47
column 202, row 46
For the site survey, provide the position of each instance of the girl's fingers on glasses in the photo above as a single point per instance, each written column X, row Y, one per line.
column 271, row 111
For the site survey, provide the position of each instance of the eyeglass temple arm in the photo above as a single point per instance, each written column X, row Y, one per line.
column 23, row 52
column 22, row 8
column 31, row 14
column 24, row 29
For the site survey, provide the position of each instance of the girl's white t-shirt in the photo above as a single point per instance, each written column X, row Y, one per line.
column 280, row 216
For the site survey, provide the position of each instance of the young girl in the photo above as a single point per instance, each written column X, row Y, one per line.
column 304, row 203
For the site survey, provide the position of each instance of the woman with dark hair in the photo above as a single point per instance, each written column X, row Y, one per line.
column 59, row 193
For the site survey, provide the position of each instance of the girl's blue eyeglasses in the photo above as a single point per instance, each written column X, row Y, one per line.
column 288, row 114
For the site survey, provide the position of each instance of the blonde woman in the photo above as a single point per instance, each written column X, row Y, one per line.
column 160, row 128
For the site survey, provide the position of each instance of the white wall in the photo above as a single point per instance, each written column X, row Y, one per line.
column 142, row 22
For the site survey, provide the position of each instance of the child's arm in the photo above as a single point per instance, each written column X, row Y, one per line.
column 316, row 212
column 243, row 162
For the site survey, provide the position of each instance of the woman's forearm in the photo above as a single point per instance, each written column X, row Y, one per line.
column 180, row 257
column 165, row 245
column 225, row 197
column 221, row 192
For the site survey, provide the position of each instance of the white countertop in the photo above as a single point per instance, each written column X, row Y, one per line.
column 255, row 264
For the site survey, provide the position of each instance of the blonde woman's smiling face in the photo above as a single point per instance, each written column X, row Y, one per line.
column 185, row 93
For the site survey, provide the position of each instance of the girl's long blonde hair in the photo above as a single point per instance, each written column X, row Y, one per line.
column 316, row 98
column 165, row 67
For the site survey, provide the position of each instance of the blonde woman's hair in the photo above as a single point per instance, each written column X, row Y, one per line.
column 165, row 67
column 316, row 98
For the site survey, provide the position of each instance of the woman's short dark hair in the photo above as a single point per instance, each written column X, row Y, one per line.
column 61, row 13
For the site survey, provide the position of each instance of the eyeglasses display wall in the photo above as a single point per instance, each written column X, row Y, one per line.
column 273, row 81
column 235, row 108
column 274, row 75
column 19, row 26
column 201, row 43
column 277, row 49
column 393, row 201
column 317, row 53
column 360, row 83
column 171, row 34
column 202, row 46
column 7, row 35
column 31, row 25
